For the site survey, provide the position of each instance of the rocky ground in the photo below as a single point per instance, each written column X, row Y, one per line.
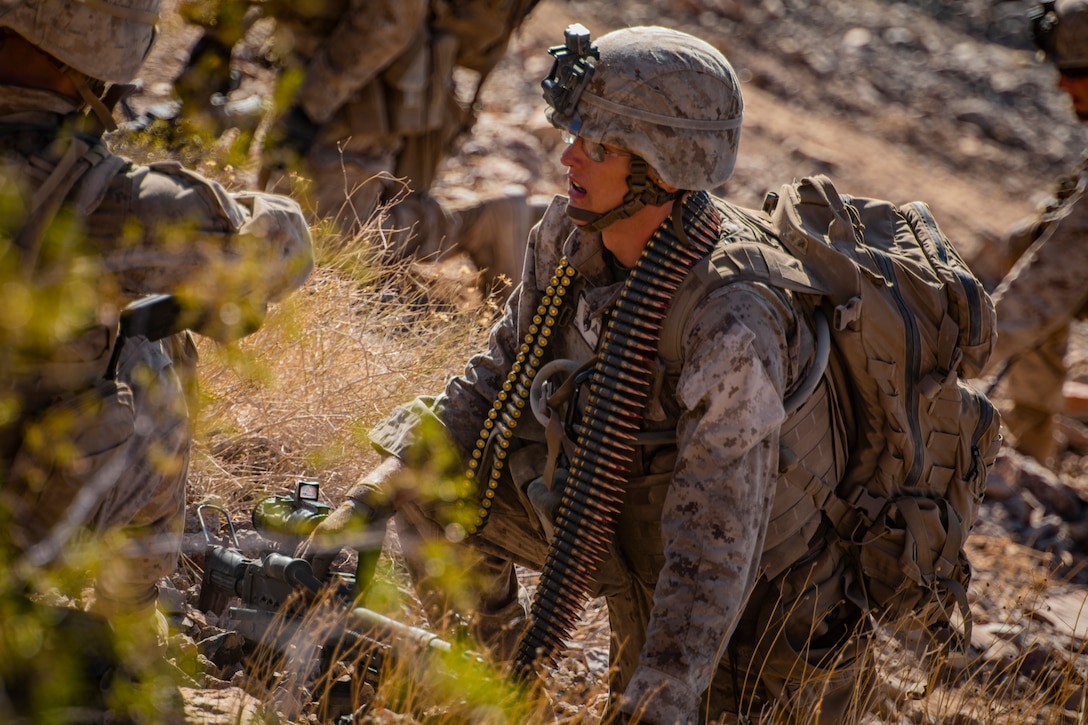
column 939, row 101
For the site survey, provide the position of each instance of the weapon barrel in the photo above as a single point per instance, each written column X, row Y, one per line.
column 391, row 631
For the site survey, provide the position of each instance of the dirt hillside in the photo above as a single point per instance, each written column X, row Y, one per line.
column 940, row 101
column 943, row 102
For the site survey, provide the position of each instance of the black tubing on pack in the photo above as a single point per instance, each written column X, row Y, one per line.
column 593, row 495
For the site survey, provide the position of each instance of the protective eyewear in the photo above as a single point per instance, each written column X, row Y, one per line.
column 595, row 151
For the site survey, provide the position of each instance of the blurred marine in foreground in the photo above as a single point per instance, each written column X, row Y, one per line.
column 1045, row 292
column 379, row 93
column 88, row 455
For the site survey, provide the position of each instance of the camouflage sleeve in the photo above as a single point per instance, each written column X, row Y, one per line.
column 369, row 37
column 739, row 357
column 164, row 229
column 462, row 408
column 1045, row 290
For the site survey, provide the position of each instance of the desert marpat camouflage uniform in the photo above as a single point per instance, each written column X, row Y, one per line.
column 1036, row 303
column 694, row 620
column 378, row 83
column 147, row 229
column 1044, row 291
column 691, row 534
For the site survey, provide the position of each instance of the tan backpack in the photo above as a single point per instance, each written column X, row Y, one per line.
column 906, row 323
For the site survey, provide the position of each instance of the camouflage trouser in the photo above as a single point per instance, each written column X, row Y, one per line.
column 1042, row 291
column 1032, row 384
column 779, row 682
column 112, row 475
column 490, row 600
column 1033, row 387
column 779, row 666
column 147, row 506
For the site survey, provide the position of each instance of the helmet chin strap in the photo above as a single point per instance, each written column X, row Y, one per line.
column 91, row 97
column 641, row 191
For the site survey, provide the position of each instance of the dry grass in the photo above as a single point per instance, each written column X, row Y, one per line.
column 296, row 399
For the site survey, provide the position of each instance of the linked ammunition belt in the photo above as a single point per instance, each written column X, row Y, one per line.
column 618, row 392
column 513, row 398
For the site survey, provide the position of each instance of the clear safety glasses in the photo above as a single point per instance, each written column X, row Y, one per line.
column 595, row 151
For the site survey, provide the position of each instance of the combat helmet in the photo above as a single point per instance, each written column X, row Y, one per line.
column 106, row 40
column 667, row 97
column 1060, row 30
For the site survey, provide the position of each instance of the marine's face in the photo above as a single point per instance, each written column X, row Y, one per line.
column 594, row 185
column 1076, row 86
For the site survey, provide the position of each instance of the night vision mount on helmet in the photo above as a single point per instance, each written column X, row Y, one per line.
column 574, row 63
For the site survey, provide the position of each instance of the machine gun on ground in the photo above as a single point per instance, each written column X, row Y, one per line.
column 313, row 628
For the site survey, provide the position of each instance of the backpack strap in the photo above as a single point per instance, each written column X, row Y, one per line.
column 829, row 274
column 728, row 264
column 81, row 156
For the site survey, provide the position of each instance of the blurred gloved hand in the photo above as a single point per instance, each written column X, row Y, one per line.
column 357, row 523
column 290, row 139
column 332, row 535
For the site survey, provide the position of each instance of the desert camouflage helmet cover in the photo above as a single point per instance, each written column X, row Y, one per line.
column 664, row 95
column 1061, row 32
column 105, row 39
